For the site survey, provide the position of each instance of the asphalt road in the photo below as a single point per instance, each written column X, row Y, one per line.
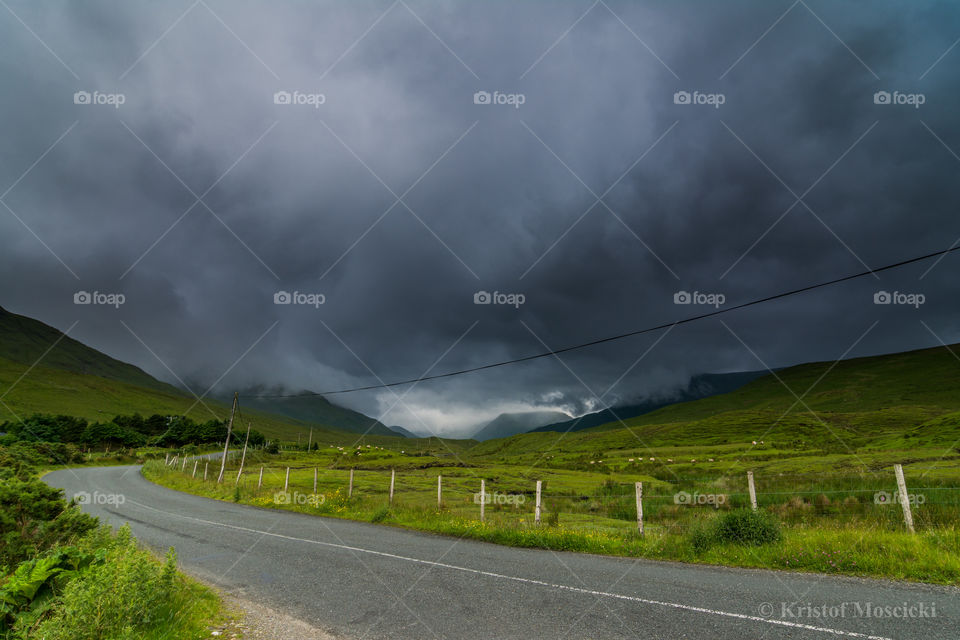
column 359, row 580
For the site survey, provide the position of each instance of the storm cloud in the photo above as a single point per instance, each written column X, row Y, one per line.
column 396, row 160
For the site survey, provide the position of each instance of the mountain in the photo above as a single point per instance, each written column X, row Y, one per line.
column 508, row 424
column 27, row 341
column 314, row 409
column 900, row 400
column 44, row 371
column 404, row 432
column 700, row 386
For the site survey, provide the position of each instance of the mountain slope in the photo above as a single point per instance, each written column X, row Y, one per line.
column 508, row 424
column 700, row 386
column 315, row 409
column 895, row 400
column 404, row 432
column 25, row 341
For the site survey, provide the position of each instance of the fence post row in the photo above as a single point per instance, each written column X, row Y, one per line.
column 904, row 498
column 753, row 490
column 393, row 477
column 536, row 513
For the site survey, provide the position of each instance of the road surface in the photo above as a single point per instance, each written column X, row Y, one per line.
column 358, row 580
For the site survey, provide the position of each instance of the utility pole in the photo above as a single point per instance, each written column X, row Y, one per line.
column 243, row 458
column 226, row 443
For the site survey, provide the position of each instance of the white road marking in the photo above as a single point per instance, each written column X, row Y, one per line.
column 539, row 583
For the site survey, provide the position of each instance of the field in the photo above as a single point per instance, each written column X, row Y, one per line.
column 825, row 503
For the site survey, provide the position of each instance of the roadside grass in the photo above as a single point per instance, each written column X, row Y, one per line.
column 828, row 518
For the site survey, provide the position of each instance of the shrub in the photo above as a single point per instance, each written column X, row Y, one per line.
column 743, row 527
column 747, row 527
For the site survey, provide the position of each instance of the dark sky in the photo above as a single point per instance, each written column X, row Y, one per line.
column 398, row 198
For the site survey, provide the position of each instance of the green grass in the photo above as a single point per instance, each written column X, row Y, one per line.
column 828, row 517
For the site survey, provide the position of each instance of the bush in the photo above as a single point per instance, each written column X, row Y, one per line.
column 743, row 527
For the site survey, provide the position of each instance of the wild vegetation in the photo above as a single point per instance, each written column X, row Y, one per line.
column 63, row 576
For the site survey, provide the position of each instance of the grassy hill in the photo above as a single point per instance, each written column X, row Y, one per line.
column 508, row 424
column 25, row 340
column 74, row 379
column 899, row 400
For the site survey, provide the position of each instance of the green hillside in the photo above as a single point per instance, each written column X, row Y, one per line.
column 315, row 409
column 891, row 401
column 25, row 341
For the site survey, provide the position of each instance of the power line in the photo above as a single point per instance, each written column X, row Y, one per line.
column 628, row 334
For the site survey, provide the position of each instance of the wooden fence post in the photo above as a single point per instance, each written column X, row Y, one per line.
column 483, row 498
column 260, row 481
column 753, row 490
column 393, row 477
column 286, row 481
column 439, row 491
column 350, row 489
column 184, row 465
column 639, row 489
column 243, row 458
column 205, row 466
column 314, row 479
column 166, row 460
column 904, row 497
column 195, row 463
column 536, row 512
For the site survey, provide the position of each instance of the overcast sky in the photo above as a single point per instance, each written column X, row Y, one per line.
column 430, row 151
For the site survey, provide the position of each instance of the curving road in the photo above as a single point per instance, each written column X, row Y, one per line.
column 358, row 580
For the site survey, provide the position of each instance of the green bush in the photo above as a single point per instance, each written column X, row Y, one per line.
column 743, row 527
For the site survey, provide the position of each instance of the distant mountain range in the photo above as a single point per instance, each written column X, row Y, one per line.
column 403, row 432
column 313, row 409
column 700, row 386
column 509, row 424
